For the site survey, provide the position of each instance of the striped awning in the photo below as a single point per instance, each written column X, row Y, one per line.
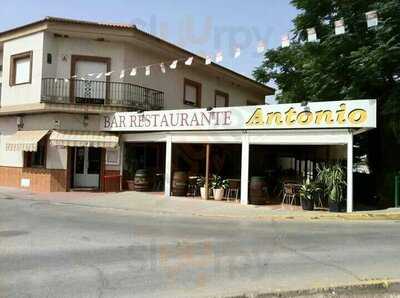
column 69, row 138
column 25, row 140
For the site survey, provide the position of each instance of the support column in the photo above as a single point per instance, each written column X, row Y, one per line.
column 207, row 176
column 350, row 173
column 244, row 187
column 121, row 166
column 168, row 166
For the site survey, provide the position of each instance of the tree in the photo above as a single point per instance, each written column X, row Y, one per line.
column 363, row 63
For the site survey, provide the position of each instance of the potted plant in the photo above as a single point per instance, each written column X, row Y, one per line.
column 200, row 184
column 307, row 195
column 333, row 178
column 218, row 186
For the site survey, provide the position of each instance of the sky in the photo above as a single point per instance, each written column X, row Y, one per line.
column 204, row 27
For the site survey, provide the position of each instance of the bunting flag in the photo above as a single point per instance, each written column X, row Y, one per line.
column 312, row 35
column 340, row 27
column 189, row 61
column 372, row 19
column 237, row 53
column 174, row 64
column 261, row 47
column 162, row 67
column 285, row 41
column 219, row 57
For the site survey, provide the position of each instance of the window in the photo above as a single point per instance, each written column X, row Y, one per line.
column 221, row 99
column 36, row 159
column 192, row 93
column 21, row 69
column 112, row 156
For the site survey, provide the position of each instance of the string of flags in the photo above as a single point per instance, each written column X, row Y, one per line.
column 164, row 66
column 312, row 36
column 340, row 28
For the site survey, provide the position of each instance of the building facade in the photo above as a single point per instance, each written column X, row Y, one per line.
column 60, row 76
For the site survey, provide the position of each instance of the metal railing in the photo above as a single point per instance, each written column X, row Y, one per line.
column 92, row 92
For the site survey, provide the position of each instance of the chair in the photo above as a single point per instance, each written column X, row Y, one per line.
column 290, row 192
column 193, row 189
column 296, row 192
column 318, row 202
column 159, row 182
column 233, row 189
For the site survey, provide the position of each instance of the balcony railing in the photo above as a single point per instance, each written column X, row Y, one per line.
column 89, row 92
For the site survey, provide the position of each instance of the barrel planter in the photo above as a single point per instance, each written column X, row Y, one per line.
column 257, row 186
column 179, row 184
column 143, row 181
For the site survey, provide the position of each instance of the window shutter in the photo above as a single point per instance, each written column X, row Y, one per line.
column 22, row 70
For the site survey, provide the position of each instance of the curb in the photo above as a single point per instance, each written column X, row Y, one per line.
column 380, row 286
column 307, row 216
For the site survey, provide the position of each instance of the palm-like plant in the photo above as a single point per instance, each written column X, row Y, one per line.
column 218, row 183
column 333, row 178
column 308, row 190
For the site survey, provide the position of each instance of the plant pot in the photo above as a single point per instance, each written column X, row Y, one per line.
column 218, row 194
column 203, row 193
column 308, row 205
column 130, row 185
column 334, row 206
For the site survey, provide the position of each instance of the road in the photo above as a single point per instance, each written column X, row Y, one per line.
column 58, row 250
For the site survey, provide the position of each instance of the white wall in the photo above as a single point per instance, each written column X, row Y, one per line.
column 1, row 74
column 27, row 93
column 172, row 82
column 63, row 48
column 8, row 127
column 125, row 56
column 56, row 156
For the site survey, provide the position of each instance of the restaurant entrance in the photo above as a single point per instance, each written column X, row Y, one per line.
column 87, row 167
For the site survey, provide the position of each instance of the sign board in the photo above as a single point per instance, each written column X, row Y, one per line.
column 334, row 114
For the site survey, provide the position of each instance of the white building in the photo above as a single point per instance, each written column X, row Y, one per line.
column 80, row 110
column 48, row 85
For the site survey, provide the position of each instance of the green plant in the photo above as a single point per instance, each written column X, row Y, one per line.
column 308, row 190
column 200, row 181
column 333, row 179
column 217, row 182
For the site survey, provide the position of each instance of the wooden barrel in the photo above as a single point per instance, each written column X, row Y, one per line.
column 143, row 181
column 179, row 184
column 257, row 194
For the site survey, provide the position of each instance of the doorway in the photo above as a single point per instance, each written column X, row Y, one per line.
column 91, row 89
column 87, row 167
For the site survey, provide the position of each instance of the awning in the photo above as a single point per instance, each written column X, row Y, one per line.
column 25, row 140
column 71, row 138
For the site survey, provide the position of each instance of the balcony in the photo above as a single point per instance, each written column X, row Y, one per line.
column 112, row 94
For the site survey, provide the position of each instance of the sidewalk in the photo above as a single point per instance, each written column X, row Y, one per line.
column 157, row 203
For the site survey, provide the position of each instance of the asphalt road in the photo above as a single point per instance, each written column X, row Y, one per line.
column 52, row 250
